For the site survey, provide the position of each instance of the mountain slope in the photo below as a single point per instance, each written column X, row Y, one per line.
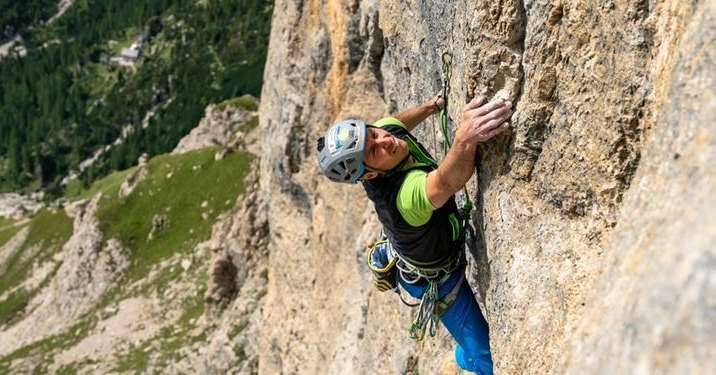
column 163, row 263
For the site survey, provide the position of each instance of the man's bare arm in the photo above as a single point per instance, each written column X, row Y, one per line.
column 479, row 123
column 413, row 116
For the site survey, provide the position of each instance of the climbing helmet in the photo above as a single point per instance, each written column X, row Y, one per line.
column 340, row 151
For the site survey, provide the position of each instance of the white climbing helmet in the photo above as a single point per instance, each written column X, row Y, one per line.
column 340, row 151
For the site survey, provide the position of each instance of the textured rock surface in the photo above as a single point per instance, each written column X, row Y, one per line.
column 660, row 271
column 217, row 128
column 134, row 320
column 17, row 206
column 88, row 268
column 135, row 177
column 601, row 186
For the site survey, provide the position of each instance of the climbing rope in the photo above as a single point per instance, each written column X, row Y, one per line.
column 431, row 306
column 427, row 315
column 445, row 128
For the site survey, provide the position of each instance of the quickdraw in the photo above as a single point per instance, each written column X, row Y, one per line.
column 432, row 308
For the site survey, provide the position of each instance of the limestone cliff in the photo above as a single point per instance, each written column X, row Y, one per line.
column 596, row 240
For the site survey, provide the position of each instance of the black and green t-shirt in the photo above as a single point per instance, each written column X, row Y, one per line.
column 418, row 231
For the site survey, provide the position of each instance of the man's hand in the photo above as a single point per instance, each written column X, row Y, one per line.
column 437, row 103
column 413, row 116
column 480, row 122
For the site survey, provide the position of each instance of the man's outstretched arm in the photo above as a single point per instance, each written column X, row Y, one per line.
column 413, row 116
column 480, row 122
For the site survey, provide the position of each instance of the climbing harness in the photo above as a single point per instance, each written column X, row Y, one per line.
column 411, row 273
column 387, row 265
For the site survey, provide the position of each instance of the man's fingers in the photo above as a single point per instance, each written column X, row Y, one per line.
column 475, row 103
column 493, row 118
column 493, row 132
column 499, row 129
column 497, row 113
column 492, row 124
column 489, row 107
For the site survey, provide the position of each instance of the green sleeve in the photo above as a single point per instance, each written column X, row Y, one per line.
column 413, row 203
column 388, row 121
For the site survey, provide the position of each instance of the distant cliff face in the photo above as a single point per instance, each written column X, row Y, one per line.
column 595, row 210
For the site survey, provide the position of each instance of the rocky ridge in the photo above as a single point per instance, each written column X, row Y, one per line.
column 88, row 267
column 221, row 127
column 612, row 135
column 17, row 206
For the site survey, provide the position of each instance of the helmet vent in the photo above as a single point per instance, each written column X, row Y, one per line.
column 341, row 152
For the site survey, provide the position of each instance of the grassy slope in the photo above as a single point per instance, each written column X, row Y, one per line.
column 108, row 185
column 7, row 230
column 246, row 102
column 177, row 187
column 5, row 221
column 49, row 230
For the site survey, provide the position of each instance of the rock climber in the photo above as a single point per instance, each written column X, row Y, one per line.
column 414, row 198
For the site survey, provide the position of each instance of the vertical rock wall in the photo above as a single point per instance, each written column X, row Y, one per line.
column 582, row 205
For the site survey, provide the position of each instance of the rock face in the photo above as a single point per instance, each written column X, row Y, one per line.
column 17, row 206
column 88, row 267
column 596, row 239
column 135, row 177
column 219, row 127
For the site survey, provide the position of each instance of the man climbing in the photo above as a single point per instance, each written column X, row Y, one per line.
column 415, row 203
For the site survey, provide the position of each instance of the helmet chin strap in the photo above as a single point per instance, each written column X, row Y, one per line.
column 384, row 172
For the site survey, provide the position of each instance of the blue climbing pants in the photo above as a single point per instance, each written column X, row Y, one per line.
column 464, row 320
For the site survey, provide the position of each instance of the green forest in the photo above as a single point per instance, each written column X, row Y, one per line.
column 16, row 16
column 67, row 97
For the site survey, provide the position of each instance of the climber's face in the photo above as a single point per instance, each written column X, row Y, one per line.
column 383, row 151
